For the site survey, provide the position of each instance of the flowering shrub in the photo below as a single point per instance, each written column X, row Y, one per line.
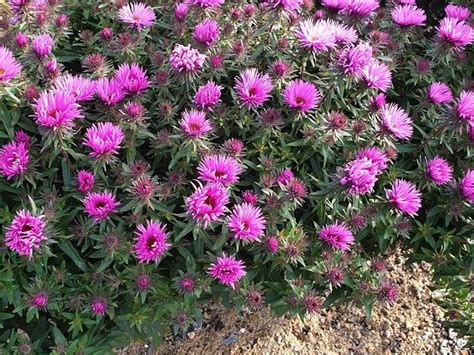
column 153, row 159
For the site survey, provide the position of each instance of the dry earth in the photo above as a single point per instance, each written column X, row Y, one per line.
column 411, row 326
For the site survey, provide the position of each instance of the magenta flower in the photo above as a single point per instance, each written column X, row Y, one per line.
column 195, row 124
column 458, row 12
column 253, row 88
column 246, row 222
column 295, row 189
column 301, row 95
column 361, row 8
column 137, row 15
column 42, row 45
column 9, row 67
column 377, row 75
column 207, row 203
column 361, row 176
column 378, row 102
column 343, row 34
column 233, row 146
column 21, row 41
column 208, row 3
column 227, row 270
column 439, row 93
column 151, row 242
column 438, row 171
column 219, row 169
column 14, row 159
column 387, row 292
column 465, row 106
column 207, row 95
column 404, row 196
column 132, row 78
column 82, row 89
column 206, row 32
column 289, row 5
column 376, row 155
column 284, row 176
column 408, row 15
column 279, row 68
column 396, row 121
column 318, row 36
column 39, row 300
column 25, row 233
column 249, row 197
column 99, row 205
column 455, row 33
column 272, row 244
column 466, row 186
column 109, row 91
column 355, row 59
column 335, row 5
column 99, row 306
column 85, row 181
column 22, row 137
column 337, row 235
column 56, row 110
column 104, row 139
column 186, row 59
column 181, row 11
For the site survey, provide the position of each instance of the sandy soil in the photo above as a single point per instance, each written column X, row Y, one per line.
column 413, row 325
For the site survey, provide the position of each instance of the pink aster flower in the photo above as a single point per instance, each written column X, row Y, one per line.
column 151, row 242
column 465, row 106
column 56, row 110
column 438, row 171
column 361, row 176
column 132, row 78
column 85, row 181
column 181, row 11
column 408, row 15
column 284, row 176
column 109, row 91
column 206, row 32
column 82, row 89
column 207, row 203
column 404, row 196
column 343, row 34
column 396, row 121
column 439, row 93
column 99, row 205
column 376, row 155
column 207, row 95
column 39, row 300
column 233, row 147
column 21, row 40
column 143, row 282
column 195, row 124
column 272, row 244
column 22, row 137
column 301, row 95
column 353, row 60
column 317, row 36
column 466, row 186
column 246, row 222
column 378, row 102
column 186, row 59
column 253, row 88
column 137, row 15
column 455, row 33
column 295, row 189
column 227, row 270
column 42, row 45
column 279, row 68
column 377, row 75
column 99, row 306
column 14, row 159
column 335, row 5
column 25, row 233
column 104, row 139
column 208, row 3
column 458, row 12
column 9, row 67
column 337, row 235
column 361, row 8
column 220, row 169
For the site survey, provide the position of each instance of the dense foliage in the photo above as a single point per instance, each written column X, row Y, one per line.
column 153, row 159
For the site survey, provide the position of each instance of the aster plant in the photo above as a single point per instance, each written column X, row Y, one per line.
column 272, row 153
